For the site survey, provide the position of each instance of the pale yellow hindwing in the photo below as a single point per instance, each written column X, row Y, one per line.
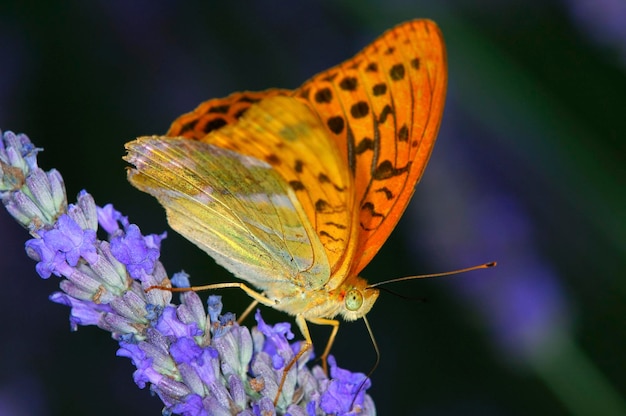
column 285, row 132
column 236, row 208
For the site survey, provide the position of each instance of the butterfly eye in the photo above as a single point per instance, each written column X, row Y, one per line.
column 354, row 300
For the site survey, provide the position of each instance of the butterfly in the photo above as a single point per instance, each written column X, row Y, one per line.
column 295, row 191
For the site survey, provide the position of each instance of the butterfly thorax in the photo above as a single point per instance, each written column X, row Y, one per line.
column 351, row 300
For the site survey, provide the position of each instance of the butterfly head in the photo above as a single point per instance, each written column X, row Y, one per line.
column 358, row 299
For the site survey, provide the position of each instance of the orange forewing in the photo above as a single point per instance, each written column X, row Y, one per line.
column 383, row 108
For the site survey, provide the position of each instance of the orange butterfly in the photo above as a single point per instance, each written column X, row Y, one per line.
column 294, row 191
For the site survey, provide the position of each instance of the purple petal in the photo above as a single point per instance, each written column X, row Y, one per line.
column 145, row 373
column 82, row 313
column 67, row 237
column 136, row 252
column 108, row 218
column 185, row 350
column 340, row 395
column 214, row 304
column 48, row 259
column 192, row 405
column 276, row 336
column 169, row 324
column 180, row 279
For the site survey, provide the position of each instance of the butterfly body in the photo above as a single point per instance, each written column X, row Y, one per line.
column 294, row 191
column 265, row 236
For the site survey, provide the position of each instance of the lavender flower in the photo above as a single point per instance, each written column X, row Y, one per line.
column 198, row 363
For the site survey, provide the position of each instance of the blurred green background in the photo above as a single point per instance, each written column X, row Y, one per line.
column 529, row 170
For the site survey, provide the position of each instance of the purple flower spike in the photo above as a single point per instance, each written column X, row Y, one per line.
column 197, row 360
column 33, row 197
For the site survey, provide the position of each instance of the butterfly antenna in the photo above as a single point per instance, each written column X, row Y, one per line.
column 424, row 276
column 369, row 330
column 400, row 295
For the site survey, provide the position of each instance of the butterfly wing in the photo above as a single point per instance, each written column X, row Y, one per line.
column 234, row 194
column 218, row 112
column 383, row 108
column 234, row 207
column 284, row 132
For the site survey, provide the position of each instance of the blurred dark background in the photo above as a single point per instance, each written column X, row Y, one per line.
column 528, row 170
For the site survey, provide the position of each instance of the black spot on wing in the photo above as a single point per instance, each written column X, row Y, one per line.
column 369, row 207
column 221, row 109
column 215, row 124
column 272, row 160
column 387, row 110
column 360, row 109
column 329, row 236
column 364, row 145
column 336, row 124
column 386, row 170
column 371, row 67
column 322, row 206
column 323, row 178
column 240, row 113
column 296, row 185
column 403, row 133
column 386, row 191
column 335, row 225
column 348, row 84
column 397, row 72
column 298, row 166
column 379, row 89
column 324, row 95
column 189, row 126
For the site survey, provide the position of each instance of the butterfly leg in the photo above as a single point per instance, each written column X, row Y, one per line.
column 245, row 313
column 331, row 339
column 306, row 345
column 258, row 297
